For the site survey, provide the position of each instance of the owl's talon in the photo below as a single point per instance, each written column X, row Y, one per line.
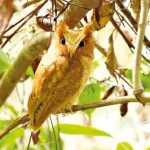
column 66, row 111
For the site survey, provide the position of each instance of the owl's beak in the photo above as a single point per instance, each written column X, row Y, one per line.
column 72, row 44
column 71, row 49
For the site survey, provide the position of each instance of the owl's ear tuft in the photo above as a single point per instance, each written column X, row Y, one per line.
column 61, row 26
column 88, row 29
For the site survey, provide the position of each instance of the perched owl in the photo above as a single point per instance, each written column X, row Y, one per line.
column 61, row 74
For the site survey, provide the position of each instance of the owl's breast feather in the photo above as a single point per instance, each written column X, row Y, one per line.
column 56, row 87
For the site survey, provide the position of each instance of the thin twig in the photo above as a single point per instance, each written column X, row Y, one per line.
column 131, row 19
column 18, row 121
column 61, row 11
column 137, row 85
column 119, row 30
column 28, row 147
column 125, row 38
column 58, row 128
column 55, row 138
column 120, row 76
column 27, row 4
column 26, row 20
column 76, row 5
column 100, row 49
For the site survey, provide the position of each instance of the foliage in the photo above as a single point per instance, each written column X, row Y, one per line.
column 124, row 146
column 77, row 129
column 4, row 61
column 114, row 44
column 91, row 93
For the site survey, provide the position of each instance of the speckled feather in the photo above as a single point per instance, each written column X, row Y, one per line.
column 62, row 74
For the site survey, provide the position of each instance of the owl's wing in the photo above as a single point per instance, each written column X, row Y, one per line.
column 50, row 70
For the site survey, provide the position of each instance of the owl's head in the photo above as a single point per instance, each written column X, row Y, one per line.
column 73, row 42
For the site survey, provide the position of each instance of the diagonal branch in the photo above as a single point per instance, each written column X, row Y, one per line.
column 137, row 85
column 131, row 19
column 39, row 42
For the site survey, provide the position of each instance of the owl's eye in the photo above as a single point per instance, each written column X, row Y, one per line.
column 63, row 41
column 82, row 44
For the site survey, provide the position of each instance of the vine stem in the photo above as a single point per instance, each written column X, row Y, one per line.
column 137, row 85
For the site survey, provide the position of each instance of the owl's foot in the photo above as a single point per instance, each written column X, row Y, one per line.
column 65, row 111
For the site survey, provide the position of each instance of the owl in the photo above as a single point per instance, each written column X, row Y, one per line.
column 61, row 74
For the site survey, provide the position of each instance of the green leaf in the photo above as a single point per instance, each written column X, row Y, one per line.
column 128, row 74
column 13, row 110
column 4, row 61
column 78, row 129
column 10, row 138
column 30, row 72
column 90, row 93
column 96, row 64
column 4, row 123
column 124, row 146
column 47, row 136
column 145, row 81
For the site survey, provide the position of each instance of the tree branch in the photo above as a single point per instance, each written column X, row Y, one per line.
column 107, row 102
column 137, row 85
column 18, row 121
column 39, row 42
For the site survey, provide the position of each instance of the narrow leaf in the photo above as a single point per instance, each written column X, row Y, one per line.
column 4, row 61
column 78, row 129
column 124, row 146
column 11, row 137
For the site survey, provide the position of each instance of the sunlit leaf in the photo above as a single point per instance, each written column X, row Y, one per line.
column 90, row 93
column 144, row 79
column 4, row 61
column 11, row 137
column 12, row 109
column 51, row 138
column 4, row 123
column 30, row 72
column 128, row 74
column 124, row 146
column 78, row 129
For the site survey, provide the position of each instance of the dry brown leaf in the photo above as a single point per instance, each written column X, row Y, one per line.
column 135, row 6
column 6, row 11
column 103, row 14
column 107, row 12
column 111, row 59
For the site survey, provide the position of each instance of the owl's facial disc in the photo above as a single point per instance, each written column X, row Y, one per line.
column 72, row 42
